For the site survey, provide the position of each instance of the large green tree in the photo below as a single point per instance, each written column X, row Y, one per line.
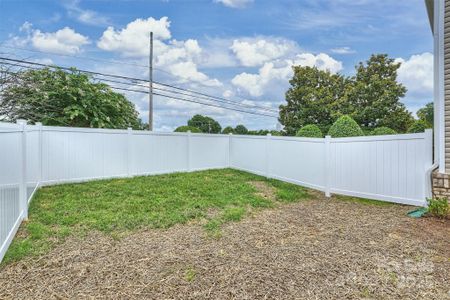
column 64, row 98
column 373, row 95
column 426, row 114
column 312, row 99
column 205, row 124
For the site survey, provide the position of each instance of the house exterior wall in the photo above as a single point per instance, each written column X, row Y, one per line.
column 446, row 85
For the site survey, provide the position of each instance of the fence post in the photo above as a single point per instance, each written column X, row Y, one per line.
column 23, row 201
column 268, row 139
column 230, row 138
column 129, row 137
column 189, row 151
column 40, row 152
column 327, row 165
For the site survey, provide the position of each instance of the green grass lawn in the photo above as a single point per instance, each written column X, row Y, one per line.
column 119, row 206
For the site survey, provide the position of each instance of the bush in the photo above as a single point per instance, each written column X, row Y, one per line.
column 228, row 130
column 187, row 128
column 241, row 129
column 312, row 131
column 438, row 207
column 417, row 126
column 383, row 131
column 345, row 126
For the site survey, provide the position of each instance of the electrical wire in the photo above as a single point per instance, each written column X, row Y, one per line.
column 21, row 62
column 172, row 97
column 143, row 80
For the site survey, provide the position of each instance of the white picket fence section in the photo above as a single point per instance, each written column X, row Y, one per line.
column 390, row 168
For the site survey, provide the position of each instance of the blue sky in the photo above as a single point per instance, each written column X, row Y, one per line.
column 238, row 49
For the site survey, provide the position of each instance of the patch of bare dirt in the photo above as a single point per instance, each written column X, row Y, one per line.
column 264, row 190
column 319, row 249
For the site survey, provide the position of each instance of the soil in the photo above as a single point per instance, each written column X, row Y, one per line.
column 315, row 249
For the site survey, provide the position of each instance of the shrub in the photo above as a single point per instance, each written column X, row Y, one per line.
column 312, row 131
column 228, row 130
column 383, row 131
column 241, row 129
column 345, row 126
column 187, row 128
column 417, row 126
column 438, row 207
column 275, row 133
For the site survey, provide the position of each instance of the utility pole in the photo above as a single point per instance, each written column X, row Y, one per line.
column 150, row 85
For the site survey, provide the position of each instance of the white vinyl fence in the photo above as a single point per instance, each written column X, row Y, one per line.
column 389, row 168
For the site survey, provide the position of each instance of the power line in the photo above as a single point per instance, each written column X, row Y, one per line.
column 193, row 101
column 186, row 94
column 142, row 80
column 168, row 96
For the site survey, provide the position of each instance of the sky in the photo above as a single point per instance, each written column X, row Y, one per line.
column 242, row 50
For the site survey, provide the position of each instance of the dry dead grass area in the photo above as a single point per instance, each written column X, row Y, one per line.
column 318, row 249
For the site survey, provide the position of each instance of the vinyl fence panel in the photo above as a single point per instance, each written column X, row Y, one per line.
column 158, row 153
column 208, row 151
column 10, row 180
column 297, row 160
column 390, row 168
column 248, row 153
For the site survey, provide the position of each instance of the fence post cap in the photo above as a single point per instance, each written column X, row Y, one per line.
column 328, row 136
column 269, row 134
column 129, row 128
column 230, row 133
column 21, row 121
column 38, row 124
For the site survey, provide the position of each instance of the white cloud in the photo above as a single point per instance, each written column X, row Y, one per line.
column 416, row 73
column 188, row 71
column 63, row 41
column 180, row 58
column 343, row 50
column 234, row 3
column 255, row 52
column 85, row 16
column 279, row 72
column 133, row 40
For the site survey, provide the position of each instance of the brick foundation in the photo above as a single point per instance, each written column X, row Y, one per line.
column 441, row 185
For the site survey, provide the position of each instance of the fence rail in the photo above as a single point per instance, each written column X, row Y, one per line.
column 389, row 168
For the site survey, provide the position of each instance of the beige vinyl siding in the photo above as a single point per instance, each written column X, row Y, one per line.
column 447, row 83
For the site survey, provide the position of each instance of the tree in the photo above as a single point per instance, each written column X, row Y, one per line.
column 187, row 128
column 417, row 126
column 310, row 131
column 312, row 99
column 228, row 130
column 240, row 129
column 64, row 98
column 383, row 131
column 426, row 114
column 373, row 95
column 205, row 124
column 345, row 126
